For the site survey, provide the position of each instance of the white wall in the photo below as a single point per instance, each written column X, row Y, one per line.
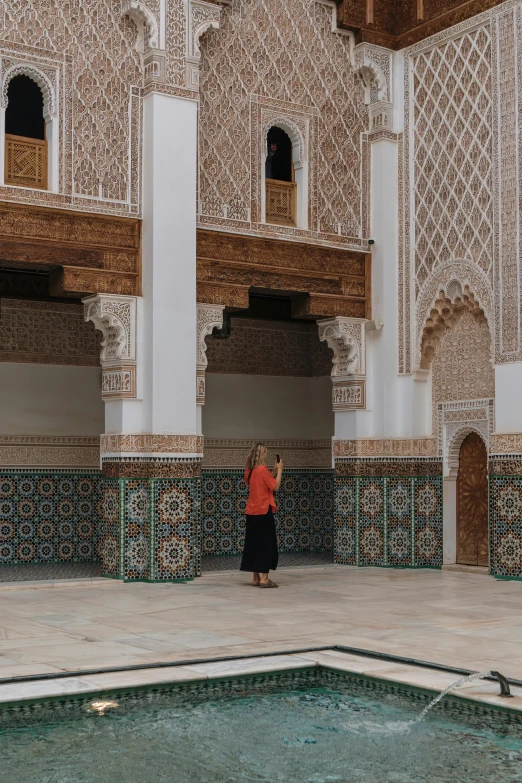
column 43, row 399
column 271, row 407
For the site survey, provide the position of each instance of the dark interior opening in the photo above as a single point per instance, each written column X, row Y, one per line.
column 24, row 113
column 279, row 160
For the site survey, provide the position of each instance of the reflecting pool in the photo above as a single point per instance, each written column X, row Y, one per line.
column 317, row 735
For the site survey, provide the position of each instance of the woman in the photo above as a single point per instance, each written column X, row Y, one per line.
column 260, row 554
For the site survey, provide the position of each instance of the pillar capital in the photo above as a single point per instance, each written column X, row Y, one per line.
column 116, row 317
column 209, row 317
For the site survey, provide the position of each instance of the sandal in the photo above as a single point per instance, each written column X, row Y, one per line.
column 255, row 584
column 268, row 584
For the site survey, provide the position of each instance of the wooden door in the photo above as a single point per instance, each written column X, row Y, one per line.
column 472, row 503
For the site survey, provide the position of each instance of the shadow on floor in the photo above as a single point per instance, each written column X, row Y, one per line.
column 286, row 559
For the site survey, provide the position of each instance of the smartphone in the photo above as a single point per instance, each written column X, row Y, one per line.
column 278, row 458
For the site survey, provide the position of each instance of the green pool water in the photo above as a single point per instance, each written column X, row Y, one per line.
column 317, row 735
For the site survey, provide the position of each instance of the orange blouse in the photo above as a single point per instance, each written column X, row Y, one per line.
column 262, row 485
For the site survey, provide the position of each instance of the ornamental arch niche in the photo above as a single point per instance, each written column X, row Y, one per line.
column 455, row 352
column 446, row 309
column 29, row 125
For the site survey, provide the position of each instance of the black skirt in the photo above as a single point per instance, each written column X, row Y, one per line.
column 260, row 552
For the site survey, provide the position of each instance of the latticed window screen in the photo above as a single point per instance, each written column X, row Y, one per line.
column 280, row 202
column 25, row 162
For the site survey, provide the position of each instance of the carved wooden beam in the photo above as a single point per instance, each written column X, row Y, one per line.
column 325, row 281
column 84, row 253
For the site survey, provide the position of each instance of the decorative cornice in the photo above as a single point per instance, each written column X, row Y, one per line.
column 49, row 451
column 385, row 447
column 150, row 445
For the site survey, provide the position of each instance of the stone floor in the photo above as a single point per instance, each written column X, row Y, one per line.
column 46, row 571
column 462, row 620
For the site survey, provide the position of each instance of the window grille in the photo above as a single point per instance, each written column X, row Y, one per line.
column 281, row 202
column 25, row 162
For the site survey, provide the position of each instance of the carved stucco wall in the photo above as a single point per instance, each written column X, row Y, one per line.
column 88, row 50
column 270, row 60
column 258, row 347
column 47, row 333
column 459, row 158
column 461, row 368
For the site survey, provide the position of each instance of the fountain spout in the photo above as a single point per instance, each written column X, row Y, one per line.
column 505, row 691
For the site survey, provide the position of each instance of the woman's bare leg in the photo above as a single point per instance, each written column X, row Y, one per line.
column 264, row 578
column 255, row 578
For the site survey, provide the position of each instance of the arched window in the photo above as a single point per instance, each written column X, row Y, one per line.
column 25, row 142
column 281, row 189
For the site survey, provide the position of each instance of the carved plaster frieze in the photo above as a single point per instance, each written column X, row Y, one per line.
column 210, row 316
column 31, row 451
column 385, row 447
column 506, row 443
column 151, row 445
column 116, row 318
column 349, row 395
column 232, row 453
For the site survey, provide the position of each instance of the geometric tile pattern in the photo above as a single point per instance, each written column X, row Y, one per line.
column 175, row 534
column 505, row 525
column 48, row 517
column 381, row 521
column 150, row 529
column 304, row 519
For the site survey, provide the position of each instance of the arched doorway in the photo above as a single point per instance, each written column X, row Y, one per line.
column 472, row 503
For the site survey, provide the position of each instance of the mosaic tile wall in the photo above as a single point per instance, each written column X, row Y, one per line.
column 149, row 529
column 505, row 519
column 304, row 519
column 381, row 521
column 49, row 517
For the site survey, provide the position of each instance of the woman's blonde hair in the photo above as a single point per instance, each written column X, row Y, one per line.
column 258, row 455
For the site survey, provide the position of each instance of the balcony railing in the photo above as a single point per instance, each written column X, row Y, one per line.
column 281, row 202
column 25, row 162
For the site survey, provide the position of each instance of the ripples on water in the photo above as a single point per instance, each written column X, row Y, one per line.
column 312, row 737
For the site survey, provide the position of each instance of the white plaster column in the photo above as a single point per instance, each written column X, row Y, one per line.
column 449, row 513
column 169, row 264
column 508, row 397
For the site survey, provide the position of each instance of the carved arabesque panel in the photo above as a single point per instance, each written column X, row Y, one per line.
column 462, row 367
column 287, row 52
column 101, row 115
